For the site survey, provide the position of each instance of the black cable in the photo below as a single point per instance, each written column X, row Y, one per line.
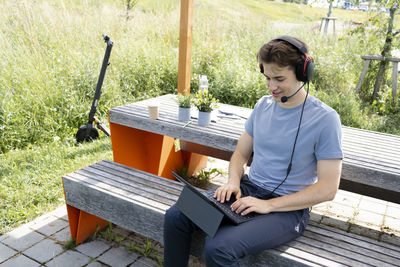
column 289, row 168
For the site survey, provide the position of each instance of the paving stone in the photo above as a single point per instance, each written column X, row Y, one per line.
column 96, row 264
column 62, row 236
column 376, row 207
column 6, row 252
column 393, row 210
column 321, row 208
column 347, row 198
column 373, row 199
column 22, row 230
column 145, row 262
column 118, row 257
column 69, row 258
column 50, row 225
column 93, row 249
column 18, row 261
column 392, row 223
column 44, row 251
column 340, row 209
column 2, row 237
column 337, row 222
column 60, row 212
column 22, row 238
column 369, row 217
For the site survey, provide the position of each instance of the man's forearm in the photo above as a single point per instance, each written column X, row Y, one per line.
column 324, row 190
column 236, row 167
column 306, row 198
column 239, row 158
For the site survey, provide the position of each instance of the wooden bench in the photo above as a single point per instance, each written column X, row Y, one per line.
column 137, row 201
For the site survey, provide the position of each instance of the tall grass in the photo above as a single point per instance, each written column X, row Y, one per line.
column 52, row 54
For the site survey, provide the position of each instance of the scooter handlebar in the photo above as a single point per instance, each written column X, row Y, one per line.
column 107, row 40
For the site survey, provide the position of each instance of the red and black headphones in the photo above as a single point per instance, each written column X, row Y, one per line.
column 304, row 70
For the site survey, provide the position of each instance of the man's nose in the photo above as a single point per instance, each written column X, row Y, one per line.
column 272, row 84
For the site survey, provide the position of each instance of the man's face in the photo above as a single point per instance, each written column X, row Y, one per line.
column 281, row 81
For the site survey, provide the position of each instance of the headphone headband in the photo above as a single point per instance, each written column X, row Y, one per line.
column 293, row 42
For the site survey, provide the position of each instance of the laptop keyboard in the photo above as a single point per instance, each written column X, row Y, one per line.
column 226, row 207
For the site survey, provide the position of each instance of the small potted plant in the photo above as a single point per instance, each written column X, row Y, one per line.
column 184, row 105
column 205, row 103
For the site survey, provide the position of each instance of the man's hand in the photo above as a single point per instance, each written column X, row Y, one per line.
column 246, row 205
column 225, row 192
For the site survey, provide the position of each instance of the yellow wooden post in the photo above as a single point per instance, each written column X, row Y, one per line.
column 185, row 46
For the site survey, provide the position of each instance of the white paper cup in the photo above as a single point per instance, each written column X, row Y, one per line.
column 153, row 108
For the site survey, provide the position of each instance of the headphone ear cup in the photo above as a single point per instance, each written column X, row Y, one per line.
column 305, row 71
column 309, row 70
column 300, row 74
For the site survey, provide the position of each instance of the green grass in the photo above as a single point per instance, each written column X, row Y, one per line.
column 30, row 179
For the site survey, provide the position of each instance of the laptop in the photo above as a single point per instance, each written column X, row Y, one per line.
column 204, row 210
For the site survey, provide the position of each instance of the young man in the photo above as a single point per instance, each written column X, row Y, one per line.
column 296, row 144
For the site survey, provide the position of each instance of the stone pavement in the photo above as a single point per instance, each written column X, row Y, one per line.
column 42, row 242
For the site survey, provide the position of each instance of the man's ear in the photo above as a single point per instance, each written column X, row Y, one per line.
column 261, row 68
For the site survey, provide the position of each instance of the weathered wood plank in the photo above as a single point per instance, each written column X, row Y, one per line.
column 379, row 57
column 133, row 172
column 365, row 243
column 350, row 251
column 135, row 182
column 310, row 258
column 140, row 193
column 394, row 79
column 137, row 196
column 364, row 71
column 317, row 248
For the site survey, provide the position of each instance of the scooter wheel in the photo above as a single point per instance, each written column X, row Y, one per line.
column 86, row 133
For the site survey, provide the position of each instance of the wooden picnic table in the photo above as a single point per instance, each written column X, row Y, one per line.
column 370, row 167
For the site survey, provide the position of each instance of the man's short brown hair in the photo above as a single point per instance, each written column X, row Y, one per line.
column 281, row 53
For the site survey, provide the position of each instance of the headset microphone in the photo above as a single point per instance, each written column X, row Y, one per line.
column 286, row 98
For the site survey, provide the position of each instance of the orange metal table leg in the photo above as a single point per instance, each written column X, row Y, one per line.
column 151, row 152
column 194, row 161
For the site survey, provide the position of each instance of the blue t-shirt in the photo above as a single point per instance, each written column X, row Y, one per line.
column 274, row 128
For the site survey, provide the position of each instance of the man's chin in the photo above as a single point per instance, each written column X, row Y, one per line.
column 276, row 98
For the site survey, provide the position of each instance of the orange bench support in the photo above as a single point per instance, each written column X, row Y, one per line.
column 83, row 225
column 141, row 150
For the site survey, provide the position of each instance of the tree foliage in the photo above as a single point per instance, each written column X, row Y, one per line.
column 379, row 27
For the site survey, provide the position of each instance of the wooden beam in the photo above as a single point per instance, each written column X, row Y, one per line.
column 185, row 46
column 364, row 71
column 394, row 82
